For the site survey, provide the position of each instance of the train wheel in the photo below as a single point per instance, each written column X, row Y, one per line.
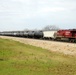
column 75, row 41
column 72, row 40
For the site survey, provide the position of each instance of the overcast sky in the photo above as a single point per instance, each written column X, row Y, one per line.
column 32, row 14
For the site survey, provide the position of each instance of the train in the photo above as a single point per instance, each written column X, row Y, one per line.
column 59, row 35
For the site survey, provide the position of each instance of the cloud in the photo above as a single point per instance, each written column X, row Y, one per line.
column 20, row 0
column 53, row 9
column 18, row 11
column 36, row 6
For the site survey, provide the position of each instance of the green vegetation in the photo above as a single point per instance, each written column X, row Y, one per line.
column 20, row 59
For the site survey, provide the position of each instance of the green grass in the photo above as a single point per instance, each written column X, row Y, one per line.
column 20, row 59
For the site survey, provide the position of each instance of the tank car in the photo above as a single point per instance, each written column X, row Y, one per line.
column 21, row 33
column 31, row 34
column 25, row 33
column 38, row 34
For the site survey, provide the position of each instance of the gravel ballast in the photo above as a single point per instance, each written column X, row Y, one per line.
column 61, row 47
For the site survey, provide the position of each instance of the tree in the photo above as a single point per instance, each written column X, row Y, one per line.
column 26, row 29
column 50, row 28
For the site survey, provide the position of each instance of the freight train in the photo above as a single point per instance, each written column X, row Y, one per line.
column 68, row 34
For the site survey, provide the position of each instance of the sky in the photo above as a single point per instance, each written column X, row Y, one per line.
column 36, row 14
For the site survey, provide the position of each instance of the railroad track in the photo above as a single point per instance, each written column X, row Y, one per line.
column 55, row 46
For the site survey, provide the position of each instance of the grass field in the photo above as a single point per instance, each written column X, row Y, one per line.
column 20, row 59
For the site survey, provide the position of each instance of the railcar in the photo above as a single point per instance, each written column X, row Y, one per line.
column 25, row 33
column 18, row 33
column 49, row 34
column 38, row 34
column 21, row 33
column 31, row 34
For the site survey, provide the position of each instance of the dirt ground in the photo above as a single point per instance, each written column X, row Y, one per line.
column 62, row 47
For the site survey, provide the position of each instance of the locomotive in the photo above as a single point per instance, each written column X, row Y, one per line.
column 68, row 34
